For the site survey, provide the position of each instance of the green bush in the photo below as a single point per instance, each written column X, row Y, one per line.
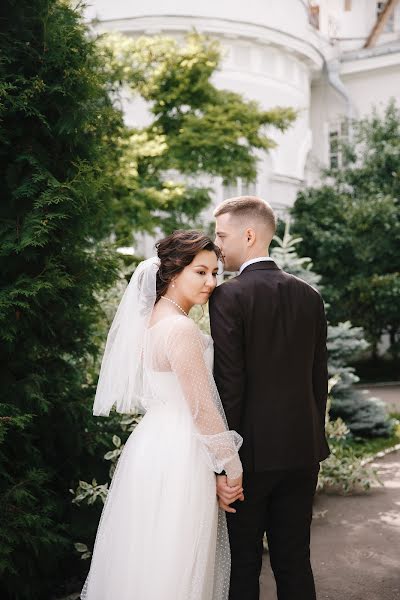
column 56, row 156
column 350, row 227
column 343, row 471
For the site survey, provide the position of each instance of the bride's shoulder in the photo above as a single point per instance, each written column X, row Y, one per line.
column 187, row 329
column 176, row 324
column 185, row 337
column 186, row 325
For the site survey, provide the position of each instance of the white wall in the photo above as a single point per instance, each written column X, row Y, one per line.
column 373, row 88
column 351, row 28
column 354, row 24
column 267, row 57
column 367, row 88
column 273, row 56
column 271, row 13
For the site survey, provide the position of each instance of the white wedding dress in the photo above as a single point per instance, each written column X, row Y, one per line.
column 161, row 535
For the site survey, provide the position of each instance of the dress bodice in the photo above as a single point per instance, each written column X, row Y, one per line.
column 177, row 375
column 162, row 381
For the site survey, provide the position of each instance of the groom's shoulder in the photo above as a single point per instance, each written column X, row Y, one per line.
column 301, row 283
column 276, row 279
column 301, row 290
column 295, row 279
column 228, row 287
column 236, row 286
column 297, row 283
column 228, row 292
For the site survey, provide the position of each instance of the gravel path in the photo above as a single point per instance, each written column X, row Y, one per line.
column 355, row 547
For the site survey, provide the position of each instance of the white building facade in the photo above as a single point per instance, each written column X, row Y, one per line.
column 331, row 60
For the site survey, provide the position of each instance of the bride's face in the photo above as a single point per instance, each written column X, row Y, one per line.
column 197, row 281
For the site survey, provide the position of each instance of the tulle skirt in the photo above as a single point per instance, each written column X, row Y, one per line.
column 161, row 535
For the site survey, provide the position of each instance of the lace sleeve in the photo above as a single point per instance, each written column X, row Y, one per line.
column 185, row 351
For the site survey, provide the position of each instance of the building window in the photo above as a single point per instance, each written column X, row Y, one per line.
column 338, row 135
column 389, row 27
column 239, row 188
column 313, row 14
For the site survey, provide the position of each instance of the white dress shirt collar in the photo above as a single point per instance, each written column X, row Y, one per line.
column 254, row 260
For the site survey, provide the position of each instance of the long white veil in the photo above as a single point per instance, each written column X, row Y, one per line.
column 121, row 374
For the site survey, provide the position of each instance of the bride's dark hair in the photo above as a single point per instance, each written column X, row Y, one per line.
column 176, row 251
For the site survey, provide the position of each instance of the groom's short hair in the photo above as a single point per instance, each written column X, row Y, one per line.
column 248, row 207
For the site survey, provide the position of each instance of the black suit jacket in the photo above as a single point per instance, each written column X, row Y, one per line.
column 270, row 366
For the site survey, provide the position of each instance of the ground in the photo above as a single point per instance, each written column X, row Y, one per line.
column 389, row 393
column 355, row 546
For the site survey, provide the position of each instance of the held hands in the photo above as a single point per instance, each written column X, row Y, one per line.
column 228, row 491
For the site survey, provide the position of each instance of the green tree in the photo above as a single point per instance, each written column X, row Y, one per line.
column 197, row 132
column 57, row 129
column 350, row 227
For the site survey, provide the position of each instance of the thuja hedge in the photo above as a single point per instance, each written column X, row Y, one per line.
column 56, row 156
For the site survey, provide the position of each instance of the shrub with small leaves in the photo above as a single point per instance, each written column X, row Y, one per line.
column 342, row 472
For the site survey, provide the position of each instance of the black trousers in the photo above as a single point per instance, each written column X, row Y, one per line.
column 278, row 503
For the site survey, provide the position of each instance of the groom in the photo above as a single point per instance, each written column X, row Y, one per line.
column 270, row 366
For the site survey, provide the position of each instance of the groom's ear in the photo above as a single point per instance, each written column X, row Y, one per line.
column 251, row 235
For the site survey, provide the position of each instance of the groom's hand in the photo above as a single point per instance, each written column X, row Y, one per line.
column 228, row 491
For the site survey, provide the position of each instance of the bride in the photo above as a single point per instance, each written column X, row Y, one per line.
column 161, row 535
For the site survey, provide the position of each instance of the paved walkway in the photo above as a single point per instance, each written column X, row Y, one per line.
column 389, row 393
column 355, row 547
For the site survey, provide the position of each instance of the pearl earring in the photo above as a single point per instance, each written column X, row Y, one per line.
column 173, row 285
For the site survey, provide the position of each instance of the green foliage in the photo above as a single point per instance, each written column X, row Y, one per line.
column 368, row 447
column 350, row 226
column 364, row 416
column 347, row 470
column 87, row 494
column 57, row 153
column 344, row 343
column 343, row 471
column 374, row 370
column 195, row 129
column 74, row 173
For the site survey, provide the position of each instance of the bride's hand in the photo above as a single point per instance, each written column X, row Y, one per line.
column 227, row 493
column 233, row 483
